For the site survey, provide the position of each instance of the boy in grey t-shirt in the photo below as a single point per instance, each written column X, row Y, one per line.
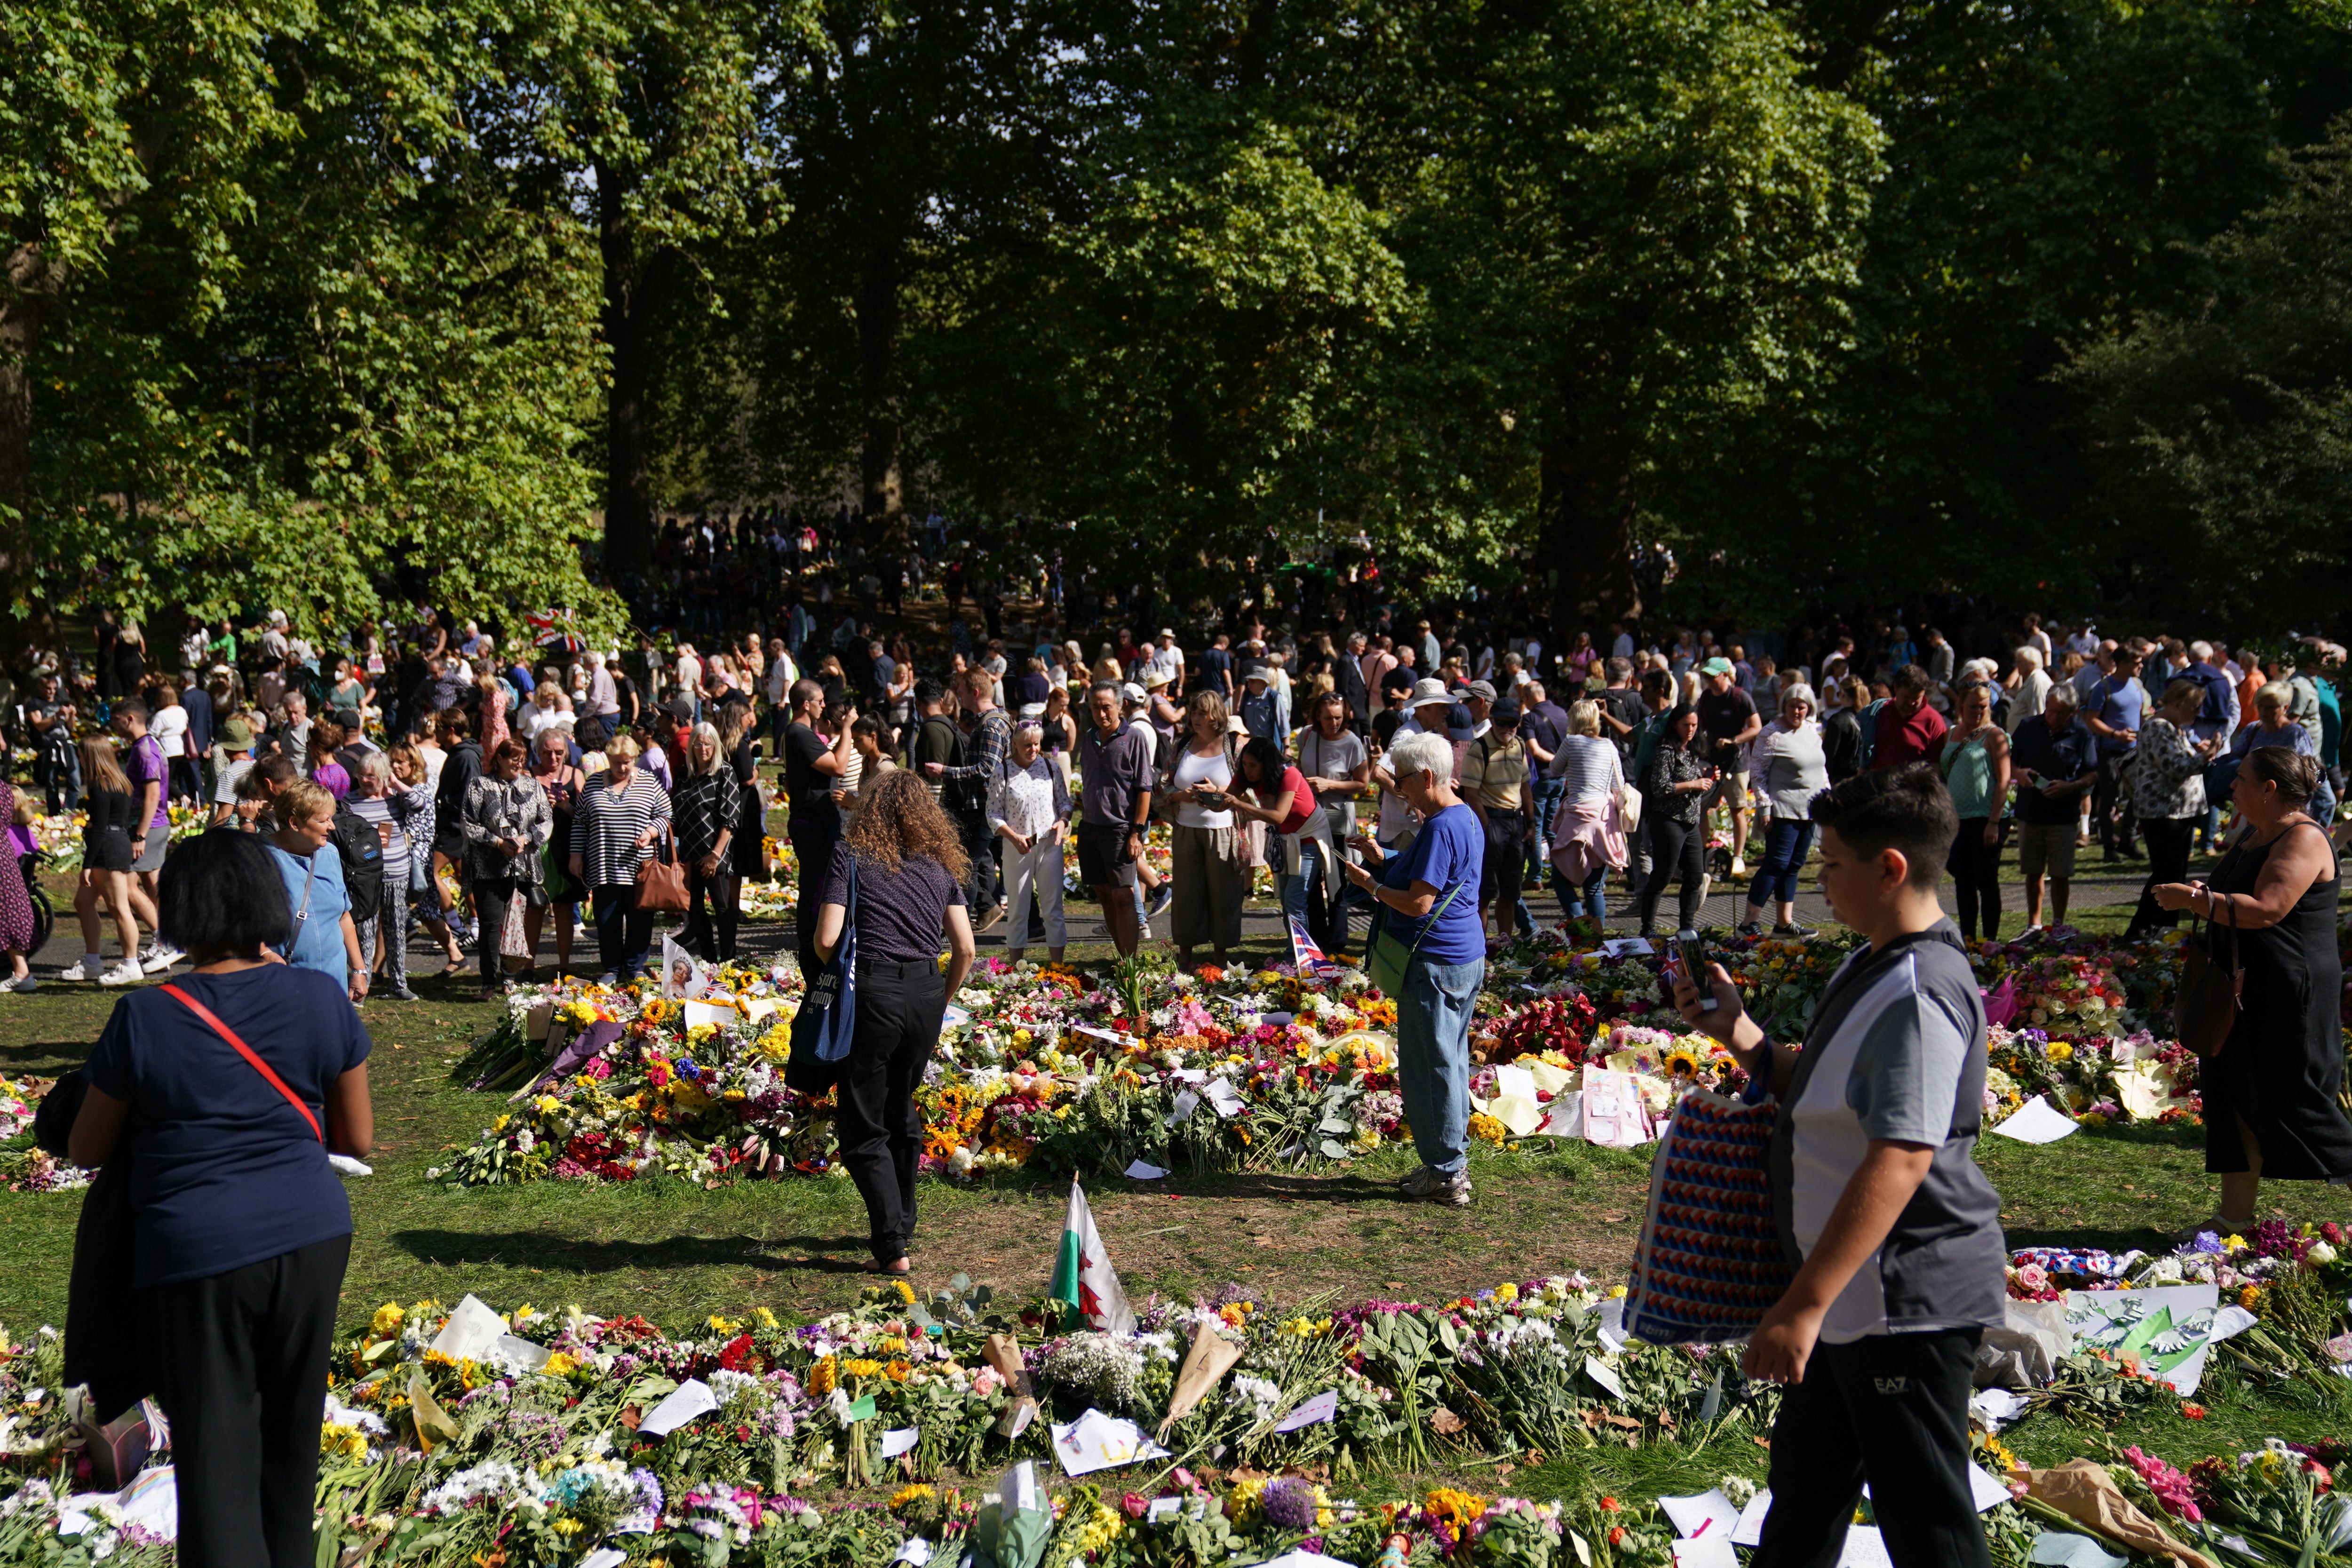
column 1876, row 1189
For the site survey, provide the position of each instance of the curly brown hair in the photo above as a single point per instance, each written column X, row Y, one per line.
column 896, row 818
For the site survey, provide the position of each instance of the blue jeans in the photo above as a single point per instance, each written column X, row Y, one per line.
column 1585, row 900
column 1548, row 797
column 1433, row 1058
column 1785, row 847
column 1296, row 892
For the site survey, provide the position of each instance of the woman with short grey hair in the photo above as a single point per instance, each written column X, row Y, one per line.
column 1786, row 768
column 1427, row 893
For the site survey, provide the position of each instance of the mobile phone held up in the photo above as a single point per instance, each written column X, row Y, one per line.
column 1693, row 950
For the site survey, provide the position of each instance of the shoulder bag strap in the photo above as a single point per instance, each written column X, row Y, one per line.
column 263, row 1068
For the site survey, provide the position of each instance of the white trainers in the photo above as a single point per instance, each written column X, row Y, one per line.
column 123, row 974
column 159, row 957
column 80, row 971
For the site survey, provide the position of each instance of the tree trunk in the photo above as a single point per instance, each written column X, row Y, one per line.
column 631, row 284
column 878, row 360
column 1586, row 506
column 31, row 283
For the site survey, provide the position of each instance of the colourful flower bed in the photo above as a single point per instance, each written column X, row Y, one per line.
column 1083, row 1072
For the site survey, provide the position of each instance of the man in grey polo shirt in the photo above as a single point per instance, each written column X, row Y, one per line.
column 1114, row 810
column 1878, row 1198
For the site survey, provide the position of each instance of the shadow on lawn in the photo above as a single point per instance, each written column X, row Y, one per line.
column 44, row 1058
column 536, row 1249
column 2148, row 1238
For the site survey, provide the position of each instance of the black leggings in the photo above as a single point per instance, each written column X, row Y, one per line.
column 2168, row 838
column 1674, row 845
column 490, row 900
column 1976, row 867
column 722, row 911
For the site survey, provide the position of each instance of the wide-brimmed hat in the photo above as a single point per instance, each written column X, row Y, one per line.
column 1426, row 693
column 236, row 735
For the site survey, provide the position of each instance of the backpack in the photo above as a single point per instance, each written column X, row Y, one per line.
column 958, row 798
column 361, row 851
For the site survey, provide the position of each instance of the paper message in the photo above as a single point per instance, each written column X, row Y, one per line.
column 2036, row 1122
column 604, row 1557
column 1509, row 1079
column 517, row 1354
column 913, row 1549
column 1144, row 1170
column 760, row 1008
column 1606, row 1376
column 717, row 1015
column 2165, row 1330
column 1864, row 1548
column 1749, row 1530
column 1705, row 1514
column 1181, row 1107
column 1162, row 1508
column 687, row 1400
column 1984, row 1491
column 1706, row 1551
column 955, row 1017
column 900, row 1441
column 1612, row 1323
column 1098, row 1442
column 1628, row 947
column 1322, row 1407
column 470, row 1331
column 1224, row 1097
column 2063, row 1549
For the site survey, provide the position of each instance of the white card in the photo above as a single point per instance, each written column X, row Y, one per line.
column 1606, row 1376
column 1612, row 1323
column 1181, row 1107
column 1984, row 1491
column 1514, row 1080
column 715, row 1014
column 1298, row 1557
column 604, row 1557
column 2064, row 1548
column 913, row 1549
column 470, row 1331
column 1144, row 1170
column 760, row 1008
column 1022, row 1413
column 1098, row 1442
column 1706, row 1514
column 518, row 1353
column 1706, row 1551
column 955, row 1017
column 2037, row 1121
column 1224, row 1097
column 900, row 1441
column 1864, row 1548
column 687, row 1400
column 1322, row 1407
column 1749, row 1530
column 1628, row 947
column 1161, row 1508
column 344, row 1165
column 1018, row 1489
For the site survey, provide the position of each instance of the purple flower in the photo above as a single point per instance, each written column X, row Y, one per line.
column 1290, row 1503
column 2206, row 1241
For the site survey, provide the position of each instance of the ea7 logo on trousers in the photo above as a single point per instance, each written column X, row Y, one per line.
column 1892, row 1384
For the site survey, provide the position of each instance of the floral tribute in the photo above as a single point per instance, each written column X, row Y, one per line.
column 1070, row 1070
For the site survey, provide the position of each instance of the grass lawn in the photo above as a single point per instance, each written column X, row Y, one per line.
column 676, row 1254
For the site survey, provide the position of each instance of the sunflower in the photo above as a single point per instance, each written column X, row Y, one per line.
column 1680, row 1062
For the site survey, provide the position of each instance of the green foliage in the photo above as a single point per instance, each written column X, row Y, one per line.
column 2226, row 426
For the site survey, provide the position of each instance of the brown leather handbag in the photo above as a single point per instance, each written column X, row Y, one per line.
column 2206, row 1008
column 661, row 882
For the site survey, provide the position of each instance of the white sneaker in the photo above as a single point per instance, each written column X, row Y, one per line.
column 159, row 957
column 80, row 971
column 123, row 974
column 9, row 985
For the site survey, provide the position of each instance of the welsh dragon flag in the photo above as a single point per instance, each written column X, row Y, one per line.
column 1083, row 1277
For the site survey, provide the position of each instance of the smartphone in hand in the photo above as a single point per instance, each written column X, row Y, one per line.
column 1693, row 950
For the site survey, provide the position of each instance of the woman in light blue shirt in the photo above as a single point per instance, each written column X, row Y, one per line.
column 323, row 936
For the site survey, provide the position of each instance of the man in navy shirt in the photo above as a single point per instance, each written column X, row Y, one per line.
column 2052, row 758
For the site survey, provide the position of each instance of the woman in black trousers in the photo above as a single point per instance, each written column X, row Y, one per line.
column 706, row 804
column 908, row 902
column 240, row 1230
column 1674, row 811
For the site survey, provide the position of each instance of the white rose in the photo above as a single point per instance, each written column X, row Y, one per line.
column 2321, row 1254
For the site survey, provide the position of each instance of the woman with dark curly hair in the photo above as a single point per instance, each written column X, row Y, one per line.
column 896, row 880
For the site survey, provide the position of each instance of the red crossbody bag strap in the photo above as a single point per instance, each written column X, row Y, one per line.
column 263, row 1068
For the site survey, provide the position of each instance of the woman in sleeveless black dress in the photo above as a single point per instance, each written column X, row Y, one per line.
column 2269, row 1096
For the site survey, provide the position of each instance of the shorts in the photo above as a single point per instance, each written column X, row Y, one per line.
column 1730, row 790
column 2049, row 846
column 159, row 839
column 1104, row 860
column 449, row 844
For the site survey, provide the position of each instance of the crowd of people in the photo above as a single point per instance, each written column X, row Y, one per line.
column 1432, row 781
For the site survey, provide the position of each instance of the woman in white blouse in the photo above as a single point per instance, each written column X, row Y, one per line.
column 1786, row 768
column 1029, row 808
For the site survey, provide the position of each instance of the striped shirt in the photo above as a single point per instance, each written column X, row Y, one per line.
column 1588, row 768
column 606, row 824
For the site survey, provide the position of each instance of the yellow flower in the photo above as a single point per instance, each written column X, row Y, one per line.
column 2059, row 1051
column 824, row 1377
column 1486, row 1127
column 906, row 1291
column 387, row 1319
column 346, row 1441
column 764, row 1317
column 547, row 1104
column 917, row 1492
column 721, row 1325
column 1506, row 1291
column 561, row 1364
column 862, row 1367
column 2232, row 1243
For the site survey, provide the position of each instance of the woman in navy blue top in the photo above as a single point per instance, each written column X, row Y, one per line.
column 241, row 1229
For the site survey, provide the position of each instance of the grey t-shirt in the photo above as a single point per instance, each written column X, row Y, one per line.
column 1112, row 772
column 1896, row 1051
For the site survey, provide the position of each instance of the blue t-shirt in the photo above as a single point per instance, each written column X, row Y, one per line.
column 224, row 1171
column 317, row 940
column 2117, row 702
column 1449, row 851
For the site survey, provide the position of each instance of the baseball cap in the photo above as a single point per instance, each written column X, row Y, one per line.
column 1485, row 689
column 1427, row 692
column 1507, row 715
column 1133, row 692
column 1717, row 667
column 348, row 717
